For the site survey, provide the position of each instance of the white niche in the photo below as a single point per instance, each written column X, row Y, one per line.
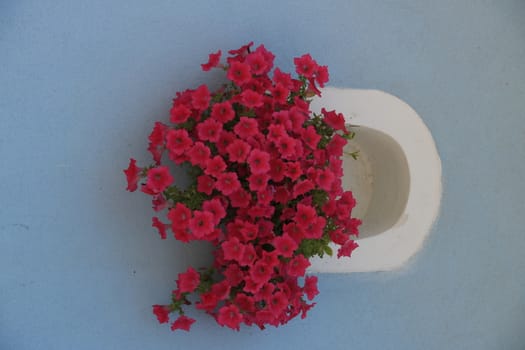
column 396, row 179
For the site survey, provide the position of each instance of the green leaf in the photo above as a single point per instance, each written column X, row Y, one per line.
column 328, row 250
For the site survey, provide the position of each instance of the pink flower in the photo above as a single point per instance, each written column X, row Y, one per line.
column 248, row 256
column 200, row 98
column 334, row 120
column 199, row 154
column 215, row 207
column 352, row 226
column 280, row 93
column 296, row 232
column 225, row 140
column 156, row 141
column 205, row 184
column 285, row 79
column 246, row 127
column 183, row 323
column 261, row 272
column 229, row 316
column 159, row 179
column 223, row 112
column 259, row 161
column 208, row 301
column 310, row 287
column 312, row 88
column 297, row 116
column 213, row 61
column 251, row 99
column 305, row 215
column 275, row 132
column 324, row 178
column 268, row 58
column 338, row 236
column 282, row 117
column 202, row 223
column 277, row 303
column 297, row 266
column 179, row 216
column 233, row 273
column 182, row 235
column 132, row 175
column 277, row 169
column 209, row 130
column 270, row 258
column 233, row 249
column 265, row 195
column 293, row 170
column 258, row 182
column 286, row 146
column 221, row 290
column 310, row 137
column 179, row 113
column 322, row 76
column 347, row 248
column 162, row 312
column 302, row 187
column 284, row 245
column 159, row 202
column 228, row 183
column 245, row 302
column 257, row 62
column 247, row 230
column 238, row 151
column 242, row 51
column 188, row 281
column 335, row 146
column 240, row 199
column 178, row 141
column 215, row 166
column 239, row 73
column 282, row 195
column 159, row 226
column 305, row 65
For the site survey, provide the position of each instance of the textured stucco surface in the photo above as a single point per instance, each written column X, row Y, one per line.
column 82, row 82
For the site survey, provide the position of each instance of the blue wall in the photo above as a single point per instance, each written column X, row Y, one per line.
column 82, row 82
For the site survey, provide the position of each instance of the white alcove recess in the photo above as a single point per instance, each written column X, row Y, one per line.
column 396, row 179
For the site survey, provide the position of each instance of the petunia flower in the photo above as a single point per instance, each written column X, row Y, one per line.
column 158, row 179
column 200, row 98
column 238, row 151
column 183, row 323
column 202, row 223
column 188, row 281
column 246, row 127
column 160, row 226
column 162, row 312
column 213, row 61
column 209, row 130
column 132, row 175
column 228, row 183
column 284, row 245
column 222, row 112
column 229, row 316
column 259, row 161
column 239, row 73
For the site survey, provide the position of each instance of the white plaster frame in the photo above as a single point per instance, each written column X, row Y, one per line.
column 400, row 239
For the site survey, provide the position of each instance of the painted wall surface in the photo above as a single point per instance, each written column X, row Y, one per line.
column 82, row 82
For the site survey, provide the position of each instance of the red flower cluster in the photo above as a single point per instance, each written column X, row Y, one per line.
column 267, row 189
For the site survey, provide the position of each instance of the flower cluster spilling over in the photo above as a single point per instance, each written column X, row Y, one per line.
column 266, row 189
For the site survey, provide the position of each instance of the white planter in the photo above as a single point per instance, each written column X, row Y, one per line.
column 396, row 179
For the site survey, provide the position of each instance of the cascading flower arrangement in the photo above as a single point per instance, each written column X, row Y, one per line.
column 266, row 190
